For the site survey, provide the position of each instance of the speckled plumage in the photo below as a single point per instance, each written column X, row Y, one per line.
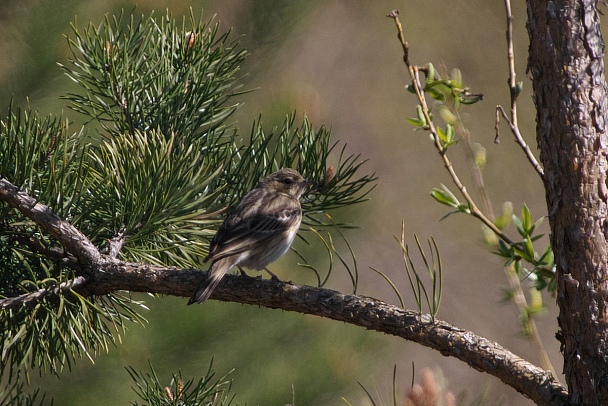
column 258, row 231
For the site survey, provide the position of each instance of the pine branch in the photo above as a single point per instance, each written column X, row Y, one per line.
column 106, row 275
column 477, row 352
column 70, row 237
column 31, row 298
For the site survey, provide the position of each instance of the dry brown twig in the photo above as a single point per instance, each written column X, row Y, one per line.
column 514, row 90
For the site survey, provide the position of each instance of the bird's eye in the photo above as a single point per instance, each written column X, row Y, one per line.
column 288, row 181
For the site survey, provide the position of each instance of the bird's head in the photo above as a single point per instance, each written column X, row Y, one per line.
column 288, row 181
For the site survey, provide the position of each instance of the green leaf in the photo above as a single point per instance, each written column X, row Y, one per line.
column 456, row 78
column 547, row 256
column 517, row 89
column 444, row 196
column 416, row 122
column 526, row 219
column 504, row 219
column 447, row 136
column 469, row 98
column 529, row 249
column 504, row 250
column 519, row 225
column 442, row 135
column 430, row 73
column 436, row 94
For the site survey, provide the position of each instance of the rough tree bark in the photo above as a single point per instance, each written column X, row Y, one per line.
column 565, row 61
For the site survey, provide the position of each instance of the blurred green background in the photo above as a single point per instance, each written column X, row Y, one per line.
column 338, row 62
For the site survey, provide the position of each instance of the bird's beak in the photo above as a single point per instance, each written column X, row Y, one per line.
column 307, row 183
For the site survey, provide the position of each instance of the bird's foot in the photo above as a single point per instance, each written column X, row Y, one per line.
column 272, row 275
column 243, row 273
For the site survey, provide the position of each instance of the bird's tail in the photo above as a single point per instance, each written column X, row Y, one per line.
column 210, row 281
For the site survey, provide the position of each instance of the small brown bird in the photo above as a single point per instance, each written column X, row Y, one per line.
column 258, row 231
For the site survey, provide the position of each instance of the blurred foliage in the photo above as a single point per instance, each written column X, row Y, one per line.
column 205, row 391
column 432, row 391
column 145, row 179
column 16, row 395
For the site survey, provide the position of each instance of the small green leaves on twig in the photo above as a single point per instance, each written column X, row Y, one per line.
column 542, row 272
column 447, row 136
column 420, row 121
column 446, row 92
column 444, row 196
column 448, row 88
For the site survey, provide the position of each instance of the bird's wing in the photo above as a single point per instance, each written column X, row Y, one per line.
column 251, row 225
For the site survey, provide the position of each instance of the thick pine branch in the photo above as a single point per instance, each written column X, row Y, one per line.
column 373, row 314
column 74, row 242
column 107, row 275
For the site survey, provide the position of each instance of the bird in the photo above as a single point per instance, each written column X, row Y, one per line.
column 258, row 231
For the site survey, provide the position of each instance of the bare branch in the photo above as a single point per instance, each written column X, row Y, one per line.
column 514, row 90
column 511, row 59
column 519, row 139
column 31, row 298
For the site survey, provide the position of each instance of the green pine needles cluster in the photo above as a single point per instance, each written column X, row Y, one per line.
column 206, row 390
column 144, row 179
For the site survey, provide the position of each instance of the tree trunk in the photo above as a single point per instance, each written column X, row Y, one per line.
column 565, row 61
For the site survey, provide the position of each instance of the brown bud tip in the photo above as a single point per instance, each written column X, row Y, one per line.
column 329, row 175
column 190, row 37
column 168, row 393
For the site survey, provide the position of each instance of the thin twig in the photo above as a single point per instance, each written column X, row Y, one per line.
column 514, row 92
column 511, row 58
column 33, row 298
column 519, row 139
column 415, row 75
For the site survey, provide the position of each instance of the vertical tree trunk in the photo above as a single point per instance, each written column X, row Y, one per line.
column 565, row 61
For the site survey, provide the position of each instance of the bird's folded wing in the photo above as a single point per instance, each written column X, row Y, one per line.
column 249, row 233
